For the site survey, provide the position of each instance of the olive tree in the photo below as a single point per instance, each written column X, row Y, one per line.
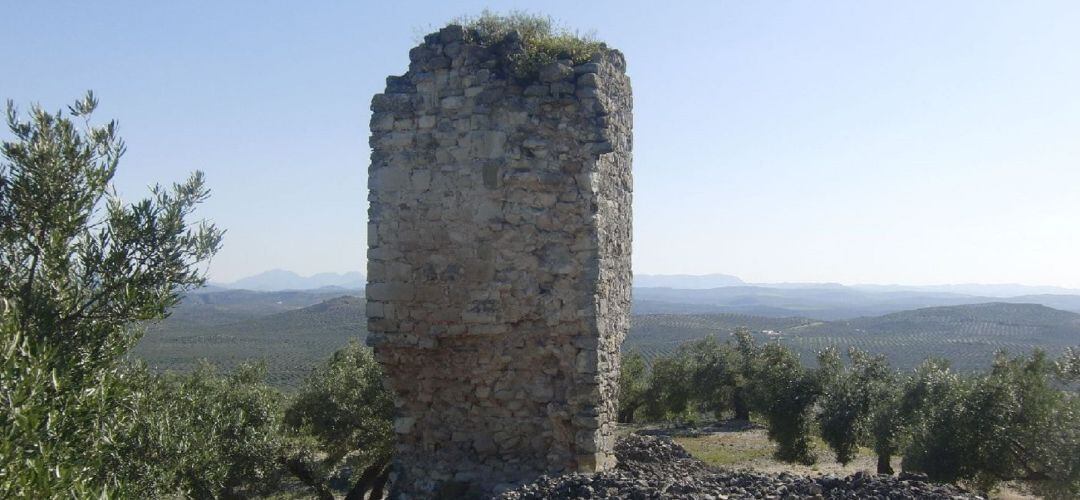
column 704, row 375
column 669, row 394
column 784, row 392
column 713, row 370
column 857, row 405
column 79, row 270
column 342, row 415
column 200, row 434
column 633, row 382
column 1008, row 424
column 746, row 351
column 1068, row 366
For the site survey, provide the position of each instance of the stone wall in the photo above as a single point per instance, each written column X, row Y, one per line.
column 499, row 262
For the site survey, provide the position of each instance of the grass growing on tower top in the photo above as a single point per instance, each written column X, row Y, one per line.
column 544, row 40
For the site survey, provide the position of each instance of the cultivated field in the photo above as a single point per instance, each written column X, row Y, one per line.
column 293, row 331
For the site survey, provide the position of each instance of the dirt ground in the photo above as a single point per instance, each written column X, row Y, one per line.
column 739, row 445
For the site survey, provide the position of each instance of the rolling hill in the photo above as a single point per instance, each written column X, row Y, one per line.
column 967, row 335
column 818, row 302
column 292, row 342
column 221, row 306
column 295, row 330
column 280, row 279
column 827, row 302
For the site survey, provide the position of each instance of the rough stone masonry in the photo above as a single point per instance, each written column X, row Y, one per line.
column 499, row 262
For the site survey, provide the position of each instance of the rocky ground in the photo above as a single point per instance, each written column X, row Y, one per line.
column 656, row 467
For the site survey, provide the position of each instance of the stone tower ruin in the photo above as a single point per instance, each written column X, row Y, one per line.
column 499, row 261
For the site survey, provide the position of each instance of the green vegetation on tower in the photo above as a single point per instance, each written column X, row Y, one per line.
column 542, row 41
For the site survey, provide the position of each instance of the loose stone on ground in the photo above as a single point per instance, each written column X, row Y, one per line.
column 657, row 468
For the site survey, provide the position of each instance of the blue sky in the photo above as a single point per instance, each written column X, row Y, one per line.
column 855, row 142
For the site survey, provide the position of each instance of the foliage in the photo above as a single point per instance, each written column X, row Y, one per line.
column 542, row 39
column 712, row 376
column 200, row 435
column 632, row 385
column 669, row 392
column 1058, row 452
column 1010, row 423
column 206, row 435
column 342, row 415
column 702, row 376
column 1068, row 366
column 54, row 441
column 711, row 366
column 747, row 352
column 887, row 425
column 1018, row 421
column 784, row 393
column 856, row 405
column 78, row 268
column 77, row 265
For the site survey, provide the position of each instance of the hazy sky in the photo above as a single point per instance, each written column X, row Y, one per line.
column 887, row 142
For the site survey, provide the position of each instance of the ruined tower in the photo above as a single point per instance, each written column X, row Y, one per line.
column 499, row 260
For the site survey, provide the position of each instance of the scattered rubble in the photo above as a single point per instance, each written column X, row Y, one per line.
column 656, row 467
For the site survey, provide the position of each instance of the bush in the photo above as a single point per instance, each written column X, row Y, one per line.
column 746, row 353
column 669, row 391
column 703, row 376
column 712, row 370
column 342, row 415
column 857, row 406
column 887, row 424
column 844, row 407
column 200, row 435
column 207, row 435
column 1009, row 424
column 633, row 383
column 784, row 393
column 542, row 40
column 1068, row 366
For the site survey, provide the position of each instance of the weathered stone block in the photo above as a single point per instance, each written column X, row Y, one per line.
column 555, row 71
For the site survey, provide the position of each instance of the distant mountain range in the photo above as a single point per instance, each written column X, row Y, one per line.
column 705, row 281
column 681, row 294
column 280, row 279
column 686, row 281
column 722, row 293
column 822, row 303
column 985, row 290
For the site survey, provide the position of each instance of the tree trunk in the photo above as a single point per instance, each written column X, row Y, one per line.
column 366, row 481
column 883, row 464
column 378, row 488
column 626, row 415
column 742, row 408
column 302, row 472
